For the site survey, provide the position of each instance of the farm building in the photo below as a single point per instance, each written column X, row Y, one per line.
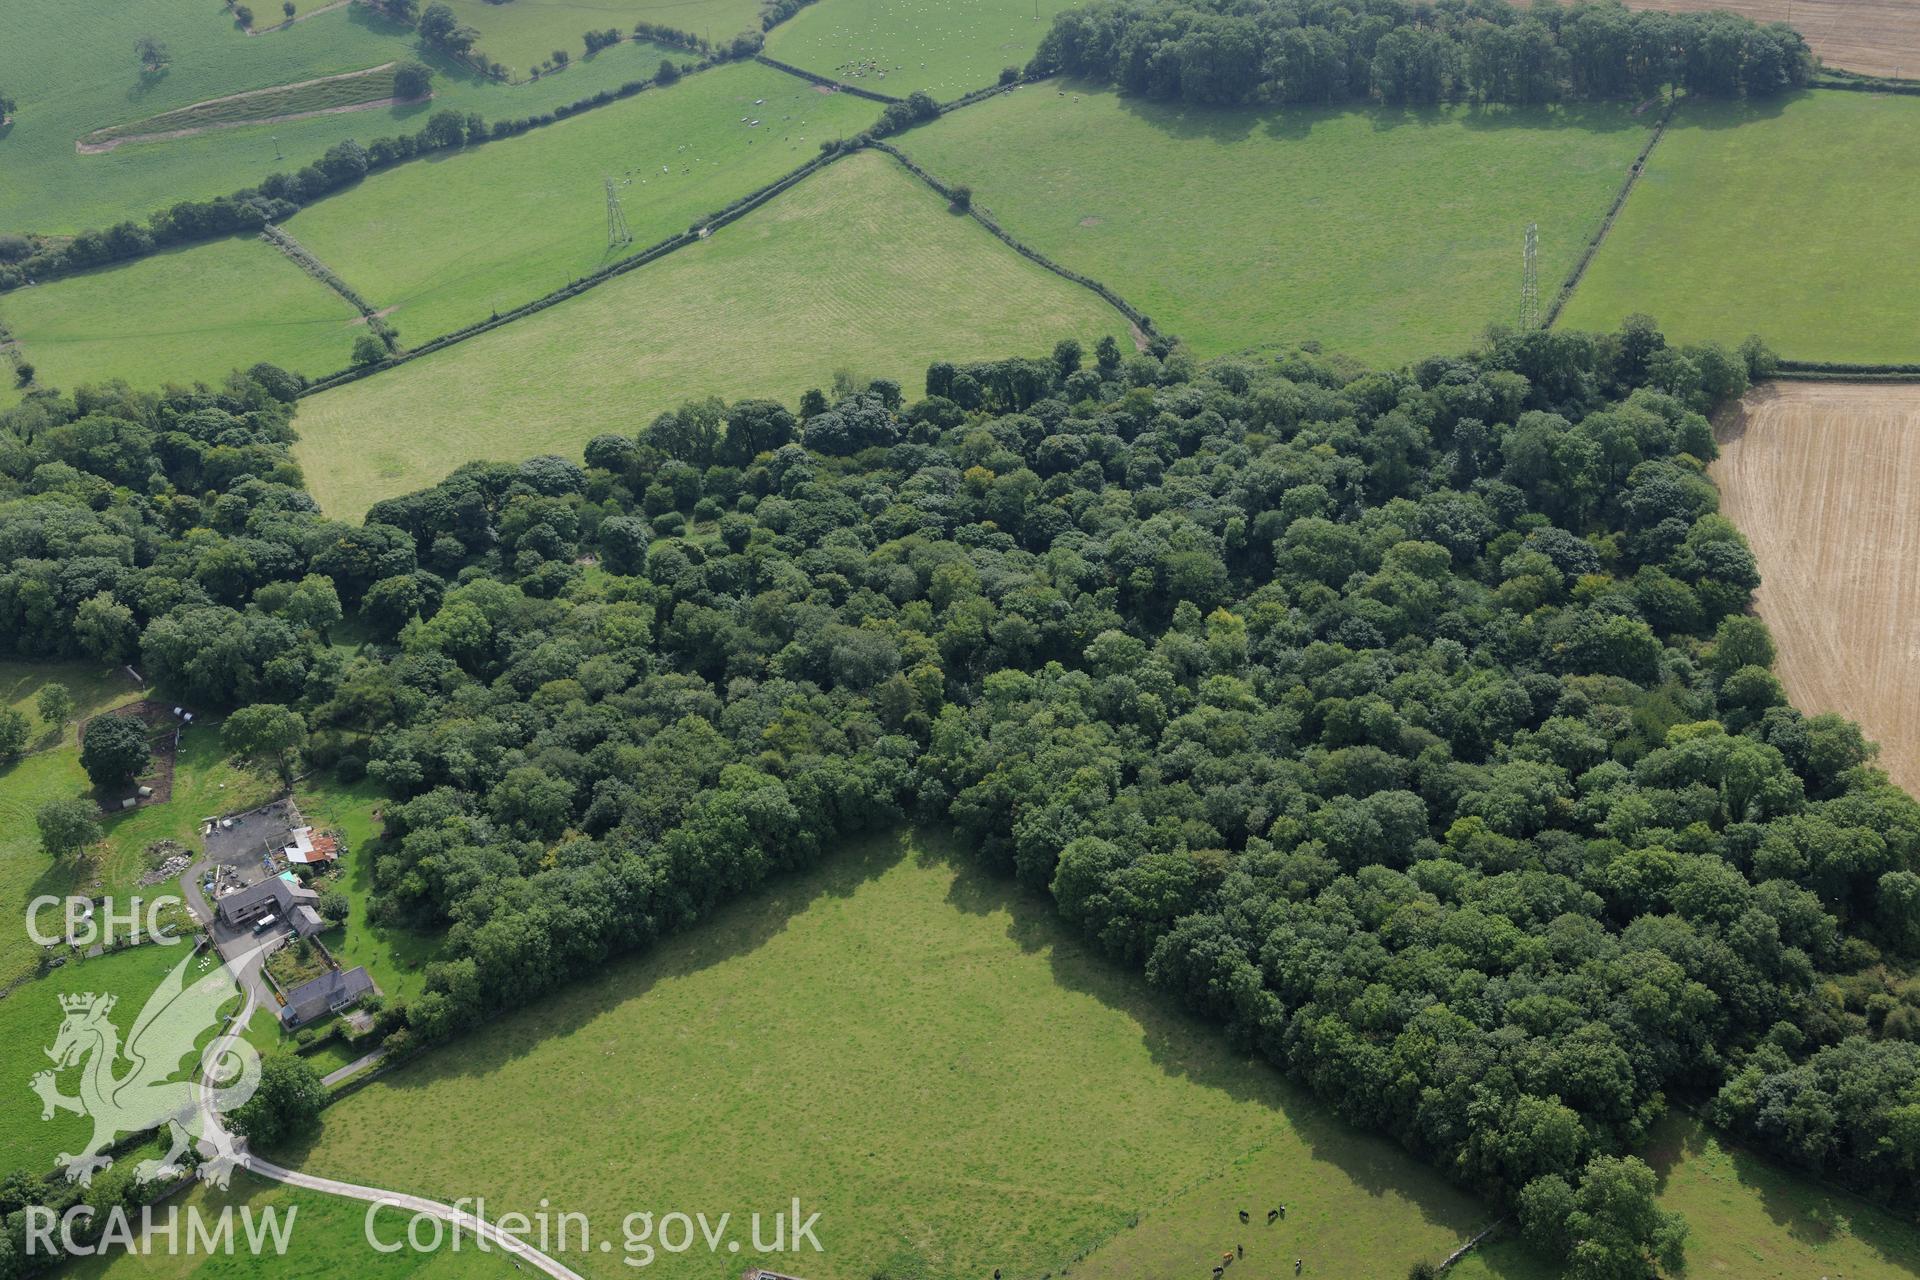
column 272, row 896
column 308, row 848
column 324, row 995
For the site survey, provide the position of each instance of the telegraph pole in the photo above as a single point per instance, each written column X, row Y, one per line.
column 1530, row 280
column 618, row 233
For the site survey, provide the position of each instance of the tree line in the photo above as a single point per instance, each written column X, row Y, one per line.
column 1219, row 52
column 1407, row 724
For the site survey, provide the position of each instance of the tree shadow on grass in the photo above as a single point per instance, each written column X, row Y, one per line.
column 734, row 931
column 1194, row 1050
column 1808, row 1212
column 1297, row 121
column 1715, row 114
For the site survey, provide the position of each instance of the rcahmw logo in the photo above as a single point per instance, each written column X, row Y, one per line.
column 167, row 1231
column 146, row 1096
column 84, row 926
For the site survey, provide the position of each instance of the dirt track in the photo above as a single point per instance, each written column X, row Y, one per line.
column 1824, row 479
column 1872, row 36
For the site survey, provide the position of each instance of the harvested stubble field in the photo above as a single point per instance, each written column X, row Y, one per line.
column 1877, row 37
column 1792, row 218
column 182, row 315
column 1384, row 234
column 449, row 240
column 858, row 268
column 1824, row 480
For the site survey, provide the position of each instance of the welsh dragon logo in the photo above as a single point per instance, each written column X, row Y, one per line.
column 151, row 1093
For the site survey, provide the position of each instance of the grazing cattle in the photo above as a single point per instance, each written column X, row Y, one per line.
column 1271, row 1215
column 1218, row 1272
column 1243, row 1215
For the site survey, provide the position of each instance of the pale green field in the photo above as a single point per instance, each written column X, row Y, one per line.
column 860, row 267
column 922, row 1055
column 448, row 241
column 72, row 67
column 1794, row 220
column 180, row 316
column 946, row 47
column 1388, row 235
column 522, row 33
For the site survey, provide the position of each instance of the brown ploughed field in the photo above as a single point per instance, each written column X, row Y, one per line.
column 1824, row 480
column 1875, row 37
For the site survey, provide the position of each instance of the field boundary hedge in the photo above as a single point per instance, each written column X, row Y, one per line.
column 248, row 209
column 1876, row 84
column 1599, row 237
column 304, row 258
column 1834, row 371
column 1118, row 303
column 823, row 81
column 652, row 253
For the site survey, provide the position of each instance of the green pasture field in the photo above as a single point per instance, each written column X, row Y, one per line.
column 524, row 33
column 29, row 1021
column 1384, row 234
column 920, row 1053
column 182, row 315
column 1793, row 219
column 946, row 47
column 859, row 268
column 72, row 68
column 328, row 1243
column 329, row 93
column 448, row 241
column 1746, row 1217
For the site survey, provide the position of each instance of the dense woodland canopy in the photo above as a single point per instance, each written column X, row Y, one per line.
column 1319, row 51
column 1407, row 724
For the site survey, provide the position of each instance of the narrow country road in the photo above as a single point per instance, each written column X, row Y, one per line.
column 459, row 1218
column 358, row 1064
column 213, row 1128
